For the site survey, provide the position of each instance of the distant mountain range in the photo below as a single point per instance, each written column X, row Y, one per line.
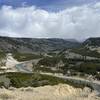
column 31, row 45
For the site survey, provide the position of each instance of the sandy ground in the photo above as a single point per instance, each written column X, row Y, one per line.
column 9, row 64
column 57, row 92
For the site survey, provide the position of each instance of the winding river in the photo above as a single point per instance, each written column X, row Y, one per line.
column 22, row 68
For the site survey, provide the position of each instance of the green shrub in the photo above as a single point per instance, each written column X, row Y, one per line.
column 49, row 61
column 89, row 68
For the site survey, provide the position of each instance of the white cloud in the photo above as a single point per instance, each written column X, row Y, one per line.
column 76, row 22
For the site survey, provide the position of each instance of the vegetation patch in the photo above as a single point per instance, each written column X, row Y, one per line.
column 25, row 56
column 49, row 61
column 2, row 55
column 88, row 67
column 35, row 80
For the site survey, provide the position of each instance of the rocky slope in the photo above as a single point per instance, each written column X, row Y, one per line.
column 57, row 92
column 92, row 41
column 93, row 44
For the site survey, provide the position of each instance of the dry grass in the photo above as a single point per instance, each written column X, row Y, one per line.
column 6, row 96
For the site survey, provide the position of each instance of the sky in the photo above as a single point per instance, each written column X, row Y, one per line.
column 78, row 19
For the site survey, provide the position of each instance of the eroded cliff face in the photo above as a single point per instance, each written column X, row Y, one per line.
column 57, row 92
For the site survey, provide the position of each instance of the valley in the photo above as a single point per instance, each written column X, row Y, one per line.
column 48, row 63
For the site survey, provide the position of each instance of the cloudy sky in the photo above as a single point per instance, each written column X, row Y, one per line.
column 77, row 19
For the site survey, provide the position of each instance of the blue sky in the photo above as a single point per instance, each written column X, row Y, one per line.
column 50, row 5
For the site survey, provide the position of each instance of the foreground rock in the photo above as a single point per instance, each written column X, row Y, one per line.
column 57, row 92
